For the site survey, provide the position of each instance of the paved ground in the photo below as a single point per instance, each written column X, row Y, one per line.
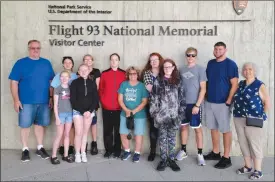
column 100, row 169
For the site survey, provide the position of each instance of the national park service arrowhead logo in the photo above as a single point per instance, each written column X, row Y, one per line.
column 239, row 6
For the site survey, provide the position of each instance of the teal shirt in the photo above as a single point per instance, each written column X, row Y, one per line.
column 132, row 97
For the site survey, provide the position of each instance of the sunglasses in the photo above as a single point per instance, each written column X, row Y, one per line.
column 67, row 57
column 189, row 55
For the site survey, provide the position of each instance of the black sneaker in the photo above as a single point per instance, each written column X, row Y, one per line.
column 162, row 165
column 61, row 150
column 94, row 149
column 69, row 159
column 212, row 156
column 55, row 160
column 223, row 163
column 107, row 154
column 42, row 153
column 25, row 156
column 152, row 156
column 71, row 150
column 173, row 165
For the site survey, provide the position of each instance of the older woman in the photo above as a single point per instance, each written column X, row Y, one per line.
column 132, row 98
column 167, row 107
column 250, row 100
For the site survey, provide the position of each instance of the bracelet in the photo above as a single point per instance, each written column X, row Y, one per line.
column 196, row 106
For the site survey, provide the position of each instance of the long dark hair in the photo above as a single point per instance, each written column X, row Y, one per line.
column 175, row 77
column 148, row 65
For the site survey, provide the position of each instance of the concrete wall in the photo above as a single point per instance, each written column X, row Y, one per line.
column 246, row 41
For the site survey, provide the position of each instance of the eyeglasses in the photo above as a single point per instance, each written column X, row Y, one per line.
column 33, row 48
column 132, row 74
column 168, row 67
column 189, row 55
column 154, row 60
column 67, row 57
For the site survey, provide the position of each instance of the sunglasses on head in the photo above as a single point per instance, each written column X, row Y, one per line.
column 189, row 55
column 67, row 57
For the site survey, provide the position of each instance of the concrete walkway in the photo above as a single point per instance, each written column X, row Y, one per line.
column 100, row 169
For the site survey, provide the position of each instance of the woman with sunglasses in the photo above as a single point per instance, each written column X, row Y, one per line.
column 194, row 82
column 149, row 75
column 132, row 98
column 68, row 64
column 167, row 107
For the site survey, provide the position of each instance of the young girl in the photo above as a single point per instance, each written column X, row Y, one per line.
column 63, row 115
column 167, row 108
column 150, row 73
column 68, row 64
column 84, row 100
column 95, row 76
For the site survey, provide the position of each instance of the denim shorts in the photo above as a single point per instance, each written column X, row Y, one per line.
column 77, row 113
column 38, row 114
column 139, row 126
column 65, row 117
column 194, row 120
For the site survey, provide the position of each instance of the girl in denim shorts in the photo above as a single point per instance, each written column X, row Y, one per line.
column 63, row 117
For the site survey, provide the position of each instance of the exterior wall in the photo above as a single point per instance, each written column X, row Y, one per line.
column 246, row 41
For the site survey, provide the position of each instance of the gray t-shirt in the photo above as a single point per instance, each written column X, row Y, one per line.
column 64, row 103
column 191, row 78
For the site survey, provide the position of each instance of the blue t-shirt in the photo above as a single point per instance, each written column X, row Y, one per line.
column 132, row 97
column 56, row 80
column 34, row 80
column 219, row 75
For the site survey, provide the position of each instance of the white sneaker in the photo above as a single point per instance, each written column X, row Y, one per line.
column 84, row 157
column 181, row 155
column 77, row 158
column 201, row 161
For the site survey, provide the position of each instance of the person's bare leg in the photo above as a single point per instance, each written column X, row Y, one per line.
column 199, row 137
column 184, row 134
column 66, row 135
column 39, row 134
column 125, row 142
column 257, row 164
column 227, row 140
column 138, row 140
column 72, row 133
column 215, row 135
column 25, row 132
column 59, row 134
column 94, row 132
column 86, row 127
column 247, row 162
column 78, row 125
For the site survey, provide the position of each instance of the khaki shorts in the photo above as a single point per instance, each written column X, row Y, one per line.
column 251, row 138
column 218, row 117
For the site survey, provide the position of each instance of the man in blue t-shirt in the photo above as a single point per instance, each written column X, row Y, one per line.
column 222, row 75
column 30, row 88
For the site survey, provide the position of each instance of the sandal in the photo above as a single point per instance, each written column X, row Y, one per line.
column 55, row 160
column 256, row 175
column 244, row 170
column 68, row 158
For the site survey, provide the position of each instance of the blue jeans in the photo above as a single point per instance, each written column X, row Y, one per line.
column 38, row 114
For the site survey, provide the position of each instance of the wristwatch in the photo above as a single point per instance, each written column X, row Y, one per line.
column 196, row 106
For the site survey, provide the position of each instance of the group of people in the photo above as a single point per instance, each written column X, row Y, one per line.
column 170, row 98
